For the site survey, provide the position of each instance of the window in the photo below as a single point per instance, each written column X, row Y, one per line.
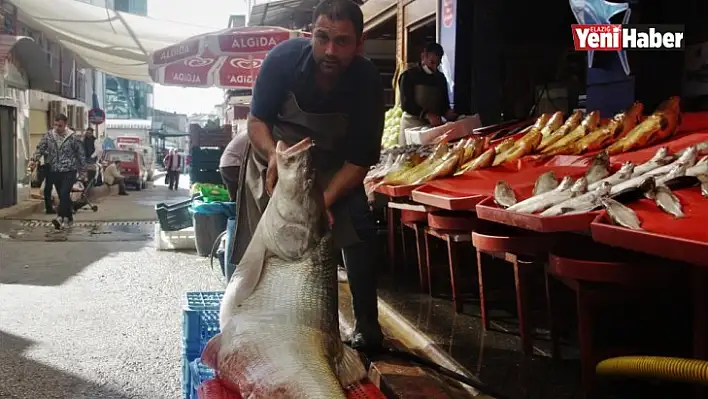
column 123, row 156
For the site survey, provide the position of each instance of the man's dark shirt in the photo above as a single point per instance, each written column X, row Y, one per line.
column 89, row 146
column 290, row 67
column 416, row 76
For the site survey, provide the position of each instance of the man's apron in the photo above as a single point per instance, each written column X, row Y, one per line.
column 428, row 97
column 293, row 125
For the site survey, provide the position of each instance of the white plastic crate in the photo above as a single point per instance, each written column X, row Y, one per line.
column 171, row 240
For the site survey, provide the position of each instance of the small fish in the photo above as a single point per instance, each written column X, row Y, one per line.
column 660, row 158
column 504, row 195
column 599, row 168
column 704, row 184
column 556, row 197
column 624, row 173
column 621, row 214
column 688, row 158
column 666, row 201
column 700, row 168
column 580, row 204
column 701, row 149
column 678, row 170
column 564, row 185
column 545, row 183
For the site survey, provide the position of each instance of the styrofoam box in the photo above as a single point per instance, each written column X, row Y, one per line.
column 171, row 240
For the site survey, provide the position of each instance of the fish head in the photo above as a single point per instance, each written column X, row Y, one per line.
column 296, row 176
column 626, row 169
column 604, row 188
column 689, row 155
column 580, row 185
column 565, row 184
column 647, row 185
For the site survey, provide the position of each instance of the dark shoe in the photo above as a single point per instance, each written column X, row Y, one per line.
column 57, row 223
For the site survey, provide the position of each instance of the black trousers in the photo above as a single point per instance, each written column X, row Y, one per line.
column 173, row 179
column 48, row 185
column 229, row 175
column 63, row 181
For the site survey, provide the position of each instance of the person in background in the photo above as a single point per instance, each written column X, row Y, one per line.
column 231, row 161
column 423, row 91
column 323, row 89
column 111, row 176
column 65, row 155
column 90, row 145
column 172, row 165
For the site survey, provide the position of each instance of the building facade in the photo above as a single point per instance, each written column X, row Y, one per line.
column 123, row 98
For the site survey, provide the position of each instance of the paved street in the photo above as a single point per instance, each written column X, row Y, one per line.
column 94, row 313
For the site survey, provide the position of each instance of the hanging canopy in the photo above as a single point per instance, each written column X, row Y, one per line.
column 229, row 58
column 110, row 41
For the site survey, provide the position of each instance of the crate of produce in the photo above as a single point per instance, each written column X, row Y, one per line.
column 175, row 216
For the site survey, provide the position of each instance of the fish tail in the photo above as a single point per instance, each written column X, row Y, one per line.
column 350, row 370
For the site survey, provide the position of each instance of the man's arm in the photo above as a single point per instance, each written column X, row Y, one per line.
column 41, row 148
column 363, row 143
column 406, row 86
column 268, row 95
column 80, row 155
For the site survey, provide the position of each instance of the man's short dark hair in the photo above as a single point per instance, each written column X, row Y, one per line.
column 61, row 117
column 341, row 10
column 434, row 48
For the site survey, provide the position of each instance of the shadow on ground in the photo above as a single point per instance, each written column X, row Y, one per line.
column 25, row 378
column 44, row 263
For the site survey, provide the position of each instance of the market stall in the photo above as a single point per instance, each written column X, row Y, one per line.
column 563, row 190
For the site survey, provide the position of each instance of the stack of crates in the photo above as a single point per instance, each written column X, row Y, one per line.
column 200, row 324
column 204, row 167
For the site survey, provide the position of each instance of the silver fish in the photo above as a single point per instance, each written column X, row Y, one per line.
column 504, row 195
column 660, row 158
column 666, row 201
column 545, row 183
column 624, row 173
column 565, row 184
column 580, row 204
column 688, row 158
column 599, row 168
column 678, row 170
column 556, row 197
column 279, row 325
column 701, row 149
column 621, row 214
column 700, row 168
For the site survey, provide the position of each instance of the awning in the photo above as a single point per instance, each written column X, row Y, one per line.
column 31, row 58
column 110, row 41
column 128, row 124
column 293, row 14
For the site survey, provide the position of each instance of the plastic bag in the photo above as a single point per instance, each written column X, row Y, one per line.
column 214, row 208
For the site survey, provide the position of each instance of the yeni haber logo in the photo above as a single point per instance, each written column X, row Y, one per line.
column 614, row 37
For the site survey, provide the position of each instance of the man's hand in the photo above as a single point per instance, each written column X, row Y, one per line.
column 434, row 120
column 32, row 164
column 330, row 218
column 450, row 115
column 271, row 174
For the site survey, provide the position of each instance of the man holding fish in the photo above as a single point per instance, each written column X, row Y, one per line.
column 324, row 90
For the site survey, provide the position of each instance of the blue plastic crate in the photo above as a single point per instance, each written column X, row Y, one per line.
column 204, row 300
column 198, row 374
column 199, row 327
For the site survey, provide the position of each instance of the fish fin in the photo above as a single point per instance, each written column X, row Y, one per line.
column 210, row 354
column 245, row 278
column 350, row 369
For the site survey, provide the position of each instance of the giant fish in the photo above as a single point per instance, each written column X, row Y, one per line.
column 279, row 317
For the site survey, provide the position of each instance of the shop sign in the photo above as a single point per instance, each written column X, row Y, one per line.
column 447, row 25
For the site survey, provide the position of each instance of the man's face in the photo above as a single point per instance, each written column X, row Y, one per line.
column 89, row 133
column 334, row 44
column 431, row 60
column 60, row 126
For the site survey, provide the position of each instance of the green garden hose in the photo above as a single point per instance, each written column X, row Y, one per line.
column 665, row 368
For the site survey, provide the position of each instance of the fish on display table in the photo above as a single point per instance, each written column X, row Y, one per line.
column 279, row 316
column 580, row 204
column 621, row 214
column 565, row 184
column 624, row 173
column 599, row 168
column 678, row 170
column 504, row 195
column 688, row 157
column 660, row 158
column 700, row 168
column 666, row 201
column 554, row 197
column 545, row 183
